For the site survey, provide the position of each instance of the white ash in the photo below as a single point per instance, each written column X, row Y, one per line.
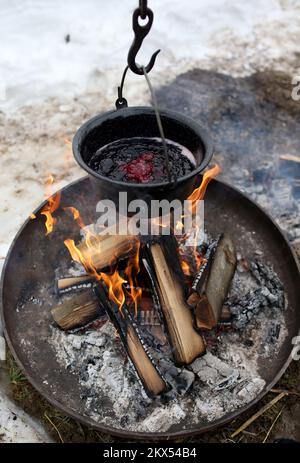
column 226, row 378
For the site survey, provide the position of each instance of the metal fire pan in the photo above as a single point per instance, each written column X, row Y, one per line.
column 30, row 270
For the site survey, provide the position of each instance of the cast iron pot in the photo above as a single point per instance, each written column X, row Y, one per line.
column 141, row 122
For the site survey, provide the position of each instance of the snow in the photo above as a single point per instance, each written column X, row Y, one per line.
column 36, row 61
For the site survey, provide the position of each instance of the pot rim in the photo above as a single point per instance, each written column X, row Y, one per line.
column 95, row 121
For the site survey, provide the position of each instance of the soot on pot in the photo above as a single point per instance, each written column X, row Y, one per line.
column 141, row 160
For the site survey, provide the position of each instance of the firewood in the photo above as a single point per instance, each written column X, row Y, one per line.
column 204, row 318
column 204, row 268
column 148, row 373
column 193, row 300
column 69, row 284
column 101, row 251
column 77, row 311
column 214, row 289
column 145, row 368
column 162, row 264
column 289, row 165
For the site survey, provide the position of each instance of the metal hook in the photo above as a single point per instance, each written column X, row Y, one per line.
column 140, row 33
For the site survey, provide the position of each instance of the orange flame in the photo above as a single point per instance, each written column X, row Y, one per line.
column 53, row 203
column 76, row 215
column 199, row 192
column 114, row 281
column 198, row 259
column 192, row 265
column 77, row 256
column 185, row 266
column 51, row 206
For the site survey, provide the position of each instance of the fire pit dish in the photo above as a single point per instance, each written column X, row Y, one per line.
column 27, row 302
column 139, row 122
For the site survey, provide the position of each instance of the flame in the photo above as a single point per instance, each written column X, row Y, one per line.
column 114, row 284
column 76, row 215
column 199, row 192
column 77, row 256
column 192, row 260
column 53, row 203
column 185, row 266
column 198, row 259
column 51, row 206
column 190, row 263
column 179, row 225
column 113, row 281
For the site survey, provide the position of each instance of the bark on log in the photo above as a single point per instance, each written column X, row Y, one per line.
column 77, row 311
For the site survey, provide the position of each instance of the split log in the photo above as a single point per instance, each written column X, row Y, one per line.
column 214, row 289
column 162, row 264
column 77, row 311
column 148, row 373
column 103, row 250
column 70, row 284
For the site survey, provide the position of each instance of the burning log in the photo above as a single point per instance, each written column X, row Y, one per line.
column 100, row 251
column 213, row 289
column 204, row 269
column 149, row 375
column 78, row 311
column 163, row 267
column 70, row 284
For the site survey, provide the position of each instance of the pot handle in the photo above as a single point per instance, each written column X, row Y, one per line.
column 121, row 102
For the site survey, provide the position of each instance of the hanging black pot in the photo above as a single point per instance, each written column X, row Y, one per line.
column 141, row 122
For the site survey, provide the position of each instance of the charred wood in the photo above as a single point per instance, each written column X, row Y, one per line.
column 214, row 287
column 127, row 330
column 77, row 311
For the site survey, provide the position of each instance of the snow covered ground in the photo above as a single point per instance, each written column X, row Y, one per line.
column 36, row 61
column 60, row 63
